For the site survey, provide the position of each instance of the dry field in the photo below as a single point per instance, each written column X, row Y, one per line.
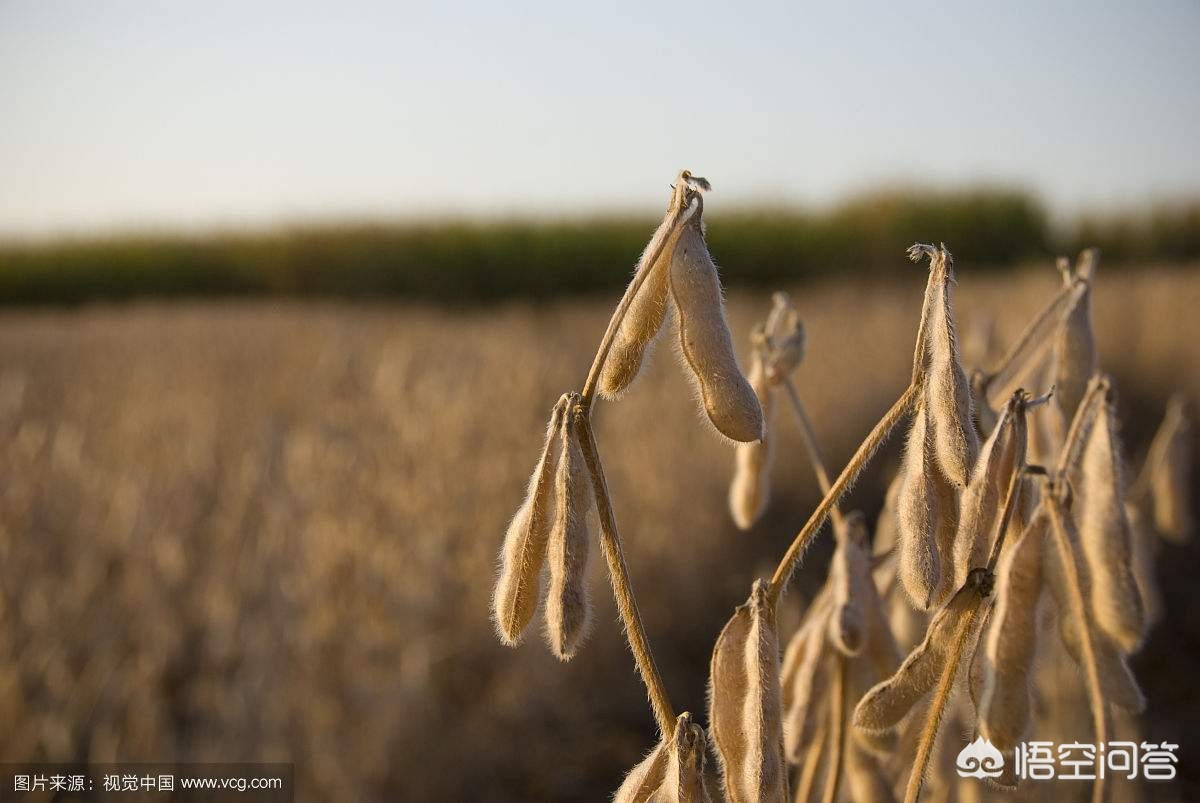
column 268, row 531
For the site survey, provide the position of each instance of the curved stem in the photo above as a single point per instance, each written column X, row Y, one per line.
column 837, row 731
column 618, row 573
column 862, row 456
column 680, row 202
column 809, row 435
column 1066, row 556
column 937, row 706
column 806, row 782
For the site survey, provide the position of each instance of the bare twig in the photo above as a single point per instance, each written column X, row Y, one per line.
column 618, row 572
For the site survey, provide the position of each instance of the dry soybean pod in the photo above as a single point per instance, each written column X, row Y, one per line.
column 850, row 584
column 1011, row 644
column 917, row 515
column 980, row 504
column 751, row 485
column 888, row 703
column 647, row 310
column 673, row 772
column 949, row 392
column 744, row 704
column 516, row 595
column 1105, row 532
column 1074, row 344
column 704, row 338
column 567, row 606
column 1168, row 473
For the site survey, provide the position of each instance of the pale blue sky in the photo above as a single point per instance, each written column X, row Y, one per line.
column 200, row 113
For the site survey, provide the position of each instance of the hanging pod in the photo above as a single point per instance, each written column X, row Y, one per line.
column 745, row 705
column 524, row 551
column 673, row 772
column 704, row 339
column 567, row 606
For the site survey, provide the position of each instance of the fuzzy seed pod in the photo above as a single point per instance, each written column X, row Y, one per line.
column 705, row 342
column 516, row 595
column 947, row 531
column 1107, row 541
column 927, row 516
column 1074, row 344
column 785, row 334
column 567, row 606
column 982, row 502
column 1144, row 548
column 750, row 488
column 745, row 705
column 673, row 772
column 1117, row 684
column 638, row 330
column 806, row 668
column 850, row 584
column 1171, row 473
column 1004, row 709
column 885, row 705
column 949, row 392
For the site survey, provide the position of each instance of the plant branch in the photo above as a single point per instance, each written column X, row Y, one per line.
column 837, row 731
column 809, row 435
column 618, row 573
column 866, row 450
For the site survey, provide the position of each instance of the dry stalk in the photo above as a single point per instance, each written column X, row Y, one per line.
column 808, row 434
column 866, row 450
column 618, row 572
column 837, row 730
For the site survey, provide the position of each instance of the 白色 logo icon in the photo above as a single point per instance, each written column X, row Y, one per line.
column 980, row 759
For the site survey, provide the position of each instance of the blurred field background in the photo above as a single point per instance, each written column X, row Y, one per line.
column 287, row 291
column 266, row 529
column 475, row 260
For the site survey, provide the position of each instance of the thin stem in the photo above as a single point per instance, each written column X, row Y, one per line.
column 837, row 730
column 937, row 706
column 618, row 572
column 1066, row 556
column 858, row 462
column 680, row 202
column 812, row 762
column 809, row 435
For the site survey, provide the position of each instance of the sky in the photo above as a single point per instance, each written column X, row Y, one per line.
column 121, row 115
